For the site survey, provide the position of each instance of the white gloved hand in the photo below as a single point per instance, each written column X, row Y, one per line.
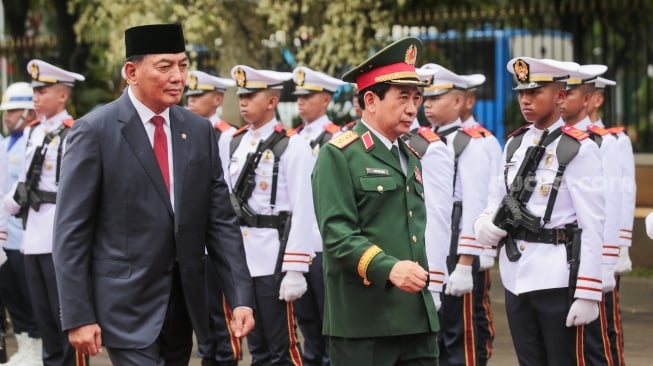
column 8, row 203
column 436, row 299
column 460, row 281
column 293, row 286
column 582, row 311
column 649, row 225
column 608, row 282
column 624, row 264
column 485, row 262
column 487, row 233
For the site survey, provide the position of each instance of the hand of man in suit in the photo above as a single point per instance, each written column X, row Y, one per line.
column 408, row 276
column 242, row 321
column 86, row 339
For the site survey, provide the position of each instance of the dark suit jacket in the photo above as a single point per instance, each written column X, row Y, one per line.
column 116, row 237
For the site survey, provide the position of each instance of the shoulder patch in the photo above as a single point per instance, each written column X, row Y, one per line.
column 519, row 131
column 331, row 128
column 222, row 125
column 597, row 130
column 472, row 132
column 68, row 122
column 428, row 134
column 344, row 139
column 575, row 133
column 34, row 122
column 368, row 141
column 617, row 130
column 241, row 130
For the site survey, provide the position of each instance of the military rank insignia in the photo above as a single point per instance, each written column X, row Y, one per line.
column 343, row 140
column 574, row 132
column 368, row 142
column 418, row 175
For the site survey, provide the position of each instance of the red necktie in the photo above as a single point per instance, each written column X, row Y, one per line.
column 161, row 149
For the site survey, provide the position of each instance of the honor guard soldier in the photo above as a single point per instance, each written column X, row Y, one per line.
column 204, row 94
column 544, row 222
column 482, row 279
column 626, row 162
column 18, row 110
column 437, row 175
column 270, row 176
column 314, row 91
column 34, row 200
column 443, row 103
column 369, row 200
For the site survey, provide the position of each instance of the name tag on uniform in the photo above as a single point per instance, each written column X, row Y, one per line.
column 376, row 171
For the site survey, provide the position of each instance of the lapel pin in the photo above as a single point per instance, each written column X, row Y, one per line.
column 183, row 136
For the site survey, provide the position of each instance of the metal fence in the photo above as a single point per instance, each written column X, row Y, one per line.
column 481, row 38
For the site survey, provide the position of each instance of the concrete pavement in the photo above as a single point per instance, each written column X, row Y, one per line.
column 636, row 298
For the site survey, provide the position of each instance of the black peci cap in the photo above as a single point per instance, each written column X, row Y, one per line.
column 154, row 38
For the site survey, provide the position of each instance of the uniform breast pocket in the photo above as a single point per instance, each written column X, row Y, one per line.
column 378, row 184
column 545, row 179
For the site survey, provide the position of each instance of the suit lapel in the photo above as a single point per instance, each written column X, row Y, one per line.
column 136, row 137
column 180, row 140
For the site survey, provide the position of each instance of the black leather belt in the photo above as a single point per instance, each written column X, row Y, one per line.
column 547, row 236
column 264, row 221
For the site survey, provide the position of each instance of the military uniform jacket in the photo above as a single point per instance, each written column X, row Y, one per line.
column 470, row 186
column 225, row 130
column 37, row 237
column 611, row 187
column 544, row 266
column 293, row 195
column 371, row 216
column 626, row 163
column 11, row 165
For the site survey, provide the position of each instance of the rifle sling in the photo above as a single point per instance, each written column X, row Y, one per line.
column 565, row 152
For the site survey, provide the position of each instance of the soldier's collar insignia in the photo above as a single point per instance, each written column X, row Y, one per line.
column 522, row 71
column 411, row 55
column 368, row 142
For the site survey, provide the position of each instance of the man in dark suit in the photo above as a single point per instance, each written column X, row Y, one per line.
column 142, row 193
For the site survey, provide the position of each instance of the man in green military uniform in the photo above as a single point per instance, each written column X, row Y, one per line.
column 369, row 203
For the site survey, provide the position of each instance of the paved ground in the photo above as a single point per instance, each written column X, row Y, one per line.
column 637, row 313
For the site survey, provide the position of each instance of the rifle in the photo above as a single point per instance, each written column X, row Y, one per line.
column 512, row 213
column 26, row 193
column 284, row 233
column 573, row 259
column 246, row 181
column 456, row 215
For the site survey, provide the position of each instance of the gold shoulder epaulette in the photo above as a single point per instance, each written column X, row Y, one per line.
column 68, row 122
column 344, row 139
column 241, row 130
column 597, row 130
column 331, row 128
column 428, row 134
column 575, row 133
column 473, row 132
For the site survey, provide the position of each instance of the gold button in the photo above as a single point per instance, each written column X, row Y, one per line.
column 244, row 232
column 379, row 188
column 407, row 189
column 410, row 213
column 414, row 239
column 522, row 247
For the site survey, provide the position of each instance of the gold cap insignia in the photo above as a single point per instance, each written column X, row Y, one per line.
column 241, row 78
column 192, row 81
column 521, row 70
column 301, row 77
column 34, row 71
column 411, row 54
